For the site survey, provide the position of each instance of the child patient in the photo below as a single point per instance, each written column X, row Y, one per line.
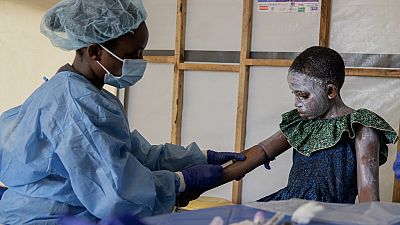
column 337, row 150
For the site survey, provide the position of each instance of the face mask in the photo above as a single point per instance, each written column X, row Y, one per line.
column 132, row 72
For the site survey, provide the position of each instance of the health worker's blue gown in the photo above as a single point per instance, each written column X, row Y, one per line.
column 68, row 149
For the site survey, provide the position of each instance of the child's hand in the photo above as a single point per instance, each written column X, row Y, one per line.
column 266, row 165
column 396, row 166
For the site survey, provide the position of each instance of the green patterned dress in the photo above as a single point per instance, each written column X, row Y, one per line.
column 324, row 160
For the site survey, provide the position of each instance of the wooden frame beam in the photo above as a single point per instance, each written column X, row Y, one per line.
column 209, row 67
column 177, row 95
column 160, row 59
column 268, row 62
column 350, row 71
column 324, row 23
column 373, row 72
column 243, row 89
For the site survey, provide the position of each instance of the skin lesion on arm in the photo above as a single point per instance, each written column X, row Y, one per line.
column 367, row 145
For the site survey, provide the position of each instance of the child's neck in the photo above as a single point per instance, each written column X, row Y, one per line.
column 337, row 109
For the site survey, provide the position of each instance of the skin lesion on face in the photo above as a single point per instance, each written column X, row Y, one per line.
column 301, row 94
column 311, row 97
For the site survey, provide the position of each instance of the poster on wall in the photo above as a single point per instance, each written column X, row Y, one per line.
column 288, row 6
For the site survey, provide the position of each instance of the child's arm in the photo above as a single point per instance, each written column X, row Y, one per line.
column 257, row 155
column 367, row 153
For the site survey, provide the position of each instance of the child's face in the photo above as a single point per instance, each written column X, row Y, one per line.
column 311, row 96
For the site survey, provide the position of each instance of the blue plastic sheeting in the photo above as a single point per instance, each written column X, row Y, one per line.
column 367, row 213
column 230, row 214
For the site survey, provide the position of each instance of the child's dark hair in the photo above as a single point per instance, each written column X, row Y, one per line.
column 320, row 62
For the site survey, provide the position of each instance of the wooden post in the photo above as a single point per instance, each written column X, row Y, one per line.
column 373, row 72
column 324, row 23
column 396, row 184
column 269, row 62
column 241, row 114
column 177, row 96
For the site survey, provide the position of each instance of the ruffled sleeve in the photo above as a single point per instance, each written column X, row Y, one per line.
column 308, row 136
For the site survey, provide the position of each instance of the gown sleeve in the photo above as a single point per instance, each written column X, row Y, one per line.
column 167, row 156
column 106, row 177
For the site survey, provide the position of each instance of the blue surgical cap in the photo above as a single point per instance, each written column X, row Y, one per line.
column 74, row 24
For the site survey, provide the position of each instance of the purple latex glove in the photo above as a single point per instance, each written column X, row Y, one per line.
column 396, row 166
column 219, row 158
column 201, row 177
column 184, row 198
column 198, row 179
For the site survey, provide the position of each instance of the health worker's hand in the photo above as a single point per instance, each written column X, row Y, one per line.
column 198, row 179
column 219, row 158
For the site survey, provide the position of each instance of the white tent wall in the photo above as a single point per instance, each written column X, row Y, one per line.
column 26, row 55
column 210, row 98
column 209, row 114
column 214, row 25
column 365, row 26
column 284, row 32
column 161, row 23
column 149, row 107
column 149, row 101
